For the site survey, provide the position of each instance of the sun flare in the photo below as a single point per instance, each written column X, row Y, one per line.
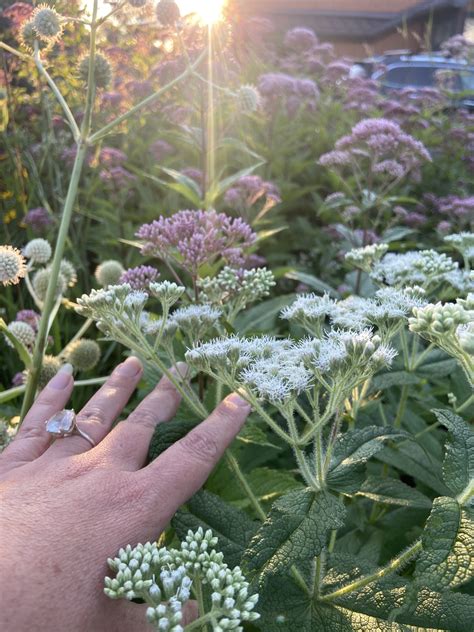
column 210, row 11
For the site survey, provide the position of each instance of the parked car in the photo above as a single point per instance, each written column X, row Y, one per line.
column 398, row 70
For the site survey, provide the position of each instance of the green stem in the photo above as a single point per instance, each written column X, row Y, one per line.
column 139, row 106
column 466, row 404
column 200, row 623
column 12, row 393
column 198, row 592
column 300, row 581
column 393, row 566
column 466, row 495
column 401, row 407
column 235, row 467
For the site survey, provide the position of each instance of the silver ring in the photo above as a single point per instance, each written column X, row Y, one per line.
column 64, row 424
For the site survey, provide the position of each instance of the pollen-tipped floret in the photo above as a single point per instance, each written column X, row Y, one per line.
column 248, row 99
column 102, row 71
column 46, row 22
column 12, row 265
column 41, row 282
column 22, row 332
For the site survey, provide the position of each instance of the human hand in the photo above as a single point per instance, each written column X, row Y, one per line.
column 65, row 506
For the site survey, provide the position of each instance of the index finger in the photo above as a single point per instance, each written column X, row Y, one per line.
column 184, row 467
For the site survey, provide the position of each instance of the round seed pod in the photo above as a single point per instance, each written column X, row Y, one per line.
column 102, row 71
column 109, row 272
column 46, row 22
column 167, row 12
column 51, row 365
column 83, row 354
column 41, row 282
column 38, row 250
column 69, row 273
column 23, row 332
column 248, row 99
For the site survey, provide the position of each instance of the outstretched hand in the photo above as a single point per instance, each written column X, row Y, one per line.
column 66, row 506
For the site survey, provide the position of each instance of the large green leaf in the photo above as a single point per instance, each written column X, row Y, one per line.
column 296, row 530
column 458, row 464
column 392, row 378
column 263, row 316
column 391, row 491
column 167, row 434
column 447, row 558
column 352, row 450
column 311, row 281
column 232, row 526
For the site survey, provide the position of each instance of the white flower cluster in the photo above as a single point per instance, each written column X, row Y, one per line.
column 451, row 327
column 463, row 243
column 38, row 250
column 279, row 370
column 167, row 292
column 237, row 288
column 366, row 257
column 163, row 578
column 195, row 321
column 426, row 268
column 386, row 309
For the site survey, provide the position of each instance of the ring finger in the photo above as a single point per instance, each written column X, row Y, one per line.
column 100, row 412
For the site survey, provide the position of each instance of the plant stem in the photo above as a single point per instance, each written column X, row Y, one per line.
column 120, row 119
column 199, row 623
column 235, row 467
column 391, row 567
column 401, row 407
column 12, row 393
column 197, row 586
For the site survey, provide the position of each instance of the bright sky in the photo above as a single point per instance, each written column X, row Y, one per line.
column 209, row 9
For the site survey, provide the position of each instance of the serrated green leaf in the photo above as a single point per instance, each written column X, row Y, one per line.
column 232, row 526
column 458, row 464
column 352, row 450
column 393, row 378
column 391, row 491
column 437, row 368
column 167, row 434
column 411, row 459
column 251, row 433
column 447, row 558
column 267, row 483
column 295, row 530
column 263, row 316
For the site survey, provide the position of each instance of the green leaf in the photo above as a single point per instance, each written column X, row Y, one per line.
column 393, row 378
column 458, row 464
column 352, row 450
column 220, row 187
column 311, row 281
column 267, row 483
column 253, row 434
column 232, row 526
column 263, row 316
column 411, row 459
column 391, row 491
column 167, row 434
column 296, row 530
column 447, row 558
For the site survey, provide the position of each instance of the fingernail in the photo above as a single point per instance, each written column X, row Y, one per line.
column 62, row 377
column 236, row 400
column 131, row 367
column 180, row 369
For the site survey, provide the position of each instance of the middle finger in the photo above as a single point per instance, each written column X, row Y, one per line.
column 100, row 412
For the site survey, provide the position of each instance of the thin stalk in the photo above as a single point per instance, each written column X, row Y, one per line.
column 466, row 404
column 318, row 574
column 234, row 466
column 61, row 100
column 401, row 407
column 391, row 567
column 48, row 307
column 81, row 331
column 94, row 138
column 12, row 393
column 198, row 624
column 198, row 592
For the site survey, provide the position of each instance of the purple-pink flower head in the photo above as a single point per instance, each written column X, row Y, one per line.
column 388, row 150
column 160, row 149
column 190, row 239
column 139, row 278
column 118, row 177
column 112, row 157
column 248, row 190
column 194, row 174
column 300, row 39
column 38, row 219
column 28, row 316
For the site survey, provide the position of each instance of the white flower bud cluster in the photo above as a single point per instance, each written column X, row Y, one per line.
column 451, row 327
column 463, row 243
column 425, row 268
column 237, row 288
column 308, row 308
column 166, row 292
column 164, row 578
column 152, row 326
column 366, row 257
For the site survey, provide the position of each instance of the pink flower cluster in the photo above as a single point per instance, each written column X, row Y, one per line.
column 250, row 189
column 389, row 150
column 190, row 239
column 292, row 92
column 139, row 278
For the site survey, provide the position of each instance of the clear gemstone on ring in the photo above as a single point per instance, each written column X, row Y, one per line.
column 61, row 423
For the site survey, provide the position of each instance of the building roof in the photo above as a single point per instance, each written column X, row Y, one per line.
column 356, row 25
